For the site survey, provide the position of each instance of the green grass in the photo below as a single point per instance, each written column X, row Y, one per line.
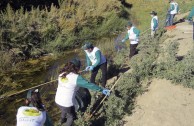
column 142, row 8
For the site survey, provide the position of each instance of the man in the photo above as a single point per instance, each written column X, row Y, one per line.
column 154, row 23
column 33, row 113
column 133, row 36
column 95, row 60
column 173, row 10
column 69, row 82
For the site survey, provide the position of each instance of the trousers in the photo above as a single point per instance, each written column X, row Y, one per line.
column 67, row 114
column 103, row 68
column 132, row 50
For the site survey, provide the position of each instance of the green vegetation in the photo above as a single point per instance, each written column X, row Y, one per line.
column 42, row 31
column 33, row 33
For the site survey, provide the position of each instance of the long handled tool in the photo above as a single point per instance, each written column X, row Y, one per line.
column 91, row 115
column 9, row 95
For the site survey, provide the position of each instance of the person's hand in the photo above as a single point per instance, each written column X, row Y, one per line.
column 91, row 68
column 123, row 40
column 106, row 92
column 87, row 68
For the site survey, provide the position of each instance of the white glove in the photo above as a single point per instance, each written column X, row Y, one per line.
column 123, row 40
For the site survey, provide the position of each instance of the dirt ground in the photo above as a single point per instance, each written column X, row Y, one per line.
column 166, row 104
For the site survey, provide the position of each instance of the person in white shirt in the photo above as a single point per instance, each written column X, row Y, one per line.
column 133, row 36
column 33, row 113
column 95, row 60
column 154, row 23
column 69, row 82
column 173, row 10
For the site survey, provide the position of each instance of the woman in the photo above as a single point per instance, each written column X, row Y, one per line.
column 33, row 114
column 68, row 83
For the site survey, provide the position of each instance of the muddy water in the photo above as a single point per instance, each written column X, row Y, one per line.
column 46, row 69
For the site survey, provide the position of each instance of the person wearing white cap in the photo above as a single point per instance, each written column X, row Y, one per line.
column 133, row 35
column 154, row 23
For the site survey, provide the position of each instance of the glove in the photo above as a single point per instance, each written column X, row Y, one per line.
column 91, row 68
column 106, row 92
column 123, row 40
column 87, row 68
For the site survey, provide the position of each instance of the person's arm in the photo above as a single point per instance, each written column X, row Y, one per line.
column 155, row 24
column 177, row 9
column 126, row 37
column 81, row 82
column 87, row 60
column 98, row 57
column 137, row 32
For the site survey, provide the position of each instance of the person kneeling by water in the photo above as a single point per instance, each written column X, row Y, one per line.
column 69, row 82
column 33, row 114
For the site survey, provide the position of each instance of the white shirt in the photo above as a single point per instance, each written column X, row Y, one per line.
column 67, row 87
column 152, row 22
column 93, row 58
column 132, row 36
column 175, row 8
column 30, row 116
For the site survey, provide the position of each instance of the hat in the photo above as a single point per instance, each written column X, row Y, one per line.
column 153, row 12
column 76, row 62
column 29, row 94
column 129, row 24
column 87, row 45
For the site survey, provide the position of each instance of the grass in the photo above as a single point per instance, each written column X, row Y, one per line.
column 121, row 101
column 142, row 8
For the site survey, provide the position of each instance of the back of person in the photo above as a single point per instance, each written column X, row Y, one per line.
column 175, row 10
column 65, row 94
column 30, row 116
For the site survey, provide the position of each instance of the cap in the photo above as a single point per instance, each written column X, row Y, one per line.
column 129, row 24
column 87, row 45
column 153, row 12
column 76, row 62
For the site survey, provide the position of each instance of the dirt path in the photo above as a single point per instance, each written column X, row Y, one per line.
column 166, row 104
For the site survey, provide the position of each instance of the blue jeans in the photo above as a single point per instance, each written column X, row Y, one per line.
column 170, row 20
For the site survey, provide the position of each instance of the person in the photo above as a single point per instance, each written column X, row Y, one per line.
column 95, row 60
column 154, row 23
column 69, row 82
column 173, row 10
column 191, row 15
column 33, row 113
column 133, row 35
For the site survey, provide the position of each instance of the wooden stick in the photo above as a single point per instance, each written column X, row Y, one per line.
column 9, row 95
column 90, row 116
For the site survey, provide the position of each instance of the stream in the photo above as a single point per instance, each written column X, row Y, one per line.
column 47, row 70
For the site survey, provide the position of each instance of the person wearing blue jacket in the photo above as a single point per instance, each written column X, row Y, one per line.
column 95, row 60
column 69, row 82
column 133, row 36
column 154, row 23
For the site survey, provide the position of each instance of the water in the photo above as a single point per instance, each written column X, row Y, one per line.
column 48, row 70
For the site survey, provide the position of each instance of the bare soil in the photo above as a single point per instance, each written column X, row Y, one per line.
column 167, row 104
